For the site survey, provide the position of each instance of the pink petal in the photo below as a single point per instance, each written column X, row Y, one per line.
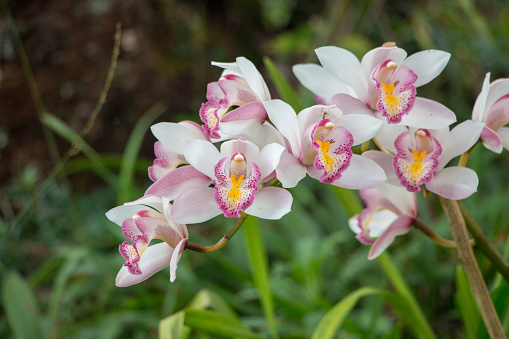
column 165, row 162
column 271, row 203
column 345, row 66
column 322, row 83
column 154, row 259
column 238, row 92
column 498, row 89
column 427, row 65
column 284, row 118
column 361, row 174
column 379, row 55
column 454, row 183
column 503, row 133
column 242, row 119
column 290, row 170
column 491, row 140
column 398, row 227
column 428, row 114
column 178, row 181
column 195, row 206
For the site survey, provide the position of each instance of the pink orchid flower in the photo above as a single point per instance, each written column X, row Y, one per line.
column 240, row 87
column 140, row 225
column 383, row 84
column 421, row 156
column 390, row 211
column 238, row 173
column 319, row 141
column 492, row 108
column 168, row 151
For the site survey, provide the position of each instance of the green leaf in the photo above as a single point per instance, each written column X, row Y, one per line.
column 259, row 268
column 286, row 92
column 332, row 320
column 21, row 308
column 467, row 305
column 132, row 150
column 172, row 327
column 66, row 132
column 218, row 324
column 207, row 299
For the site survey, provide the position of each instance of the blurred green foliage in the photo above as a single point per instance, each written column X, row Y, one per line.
column 59, row 262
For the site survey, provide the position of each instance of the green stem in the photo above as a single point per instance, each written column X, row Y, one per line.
column 222, row 242
column 421, row 226
column 475, row 278
column 484, row 244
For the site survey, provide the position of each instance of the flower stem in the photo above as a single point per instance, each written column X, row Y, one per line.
column 222, row 242
column 484, row 244
column 421, row 226
column 466, row 254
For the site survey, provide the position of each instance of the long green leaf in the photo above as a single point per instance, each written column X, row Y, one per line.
column 218, row 324
column 332, row 320
column 206, row 299
column 21, row 308
column 467, row 305
column 132, row 150
column 172, row 327
column 286, row 92
column 259, row 268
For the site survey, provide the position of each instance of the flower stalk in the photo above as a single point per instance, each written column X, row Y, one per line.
column 421, row 226
column 222, row 242
column 466, row 254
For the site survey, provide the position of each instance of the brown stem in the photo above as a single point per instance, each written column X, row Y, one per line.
column 421, row 226
column 466, row 254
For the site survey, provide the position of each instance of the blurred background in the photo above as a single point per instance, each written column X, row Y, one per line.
column 61, row 251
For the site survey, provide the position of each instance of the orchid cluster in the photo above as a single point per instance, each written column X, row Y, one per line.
column 250, row 149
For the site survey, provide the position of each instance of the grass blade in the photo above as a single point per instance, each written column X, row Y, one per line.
column 132, row 150
column 259, row 268
column 217, row 324
column 285, row 91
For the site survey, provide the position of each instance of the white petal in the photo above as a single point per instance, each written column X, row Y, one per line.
column 378, row 56
column 398, row 227
column 264, row 135
column 172, row 134
column 269, row 159
column 405, row 201
column 195, row 206
column 427, row 65
column 154, row 259
column 388, row 133
column 231, row 66
column 454, row 183
column 290, row 170
column 271, row 203
column 362, row 127
column 461, row 138
column 480, row 103
column 175, row 257
column 231, row 147
column 428, row 114
column 284, row 118
column 120, row 213
column 202, row 155
column 380, row 222
column 351, row 105
column 345, row 66
column 498, row 89
column 254, row 78
column 503, row 133
column 361, row 174
column 148, row 200
column 384, row 160
column 316, row 79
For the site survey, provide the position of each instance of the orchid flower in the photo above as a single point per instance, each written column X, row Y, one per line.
column 140, row 225
column 319, row 143
column 390, row 211
column 238, row 173
column 383, row 84
column 239, row 92
column 492, row 108
column 421, row 156
column 168, row 150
